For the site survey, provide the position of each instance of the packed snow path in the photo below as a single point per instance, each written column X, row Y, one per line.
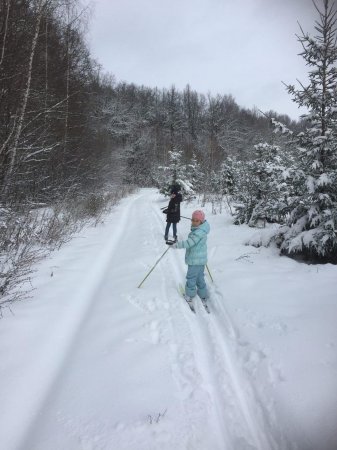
column 116, row 367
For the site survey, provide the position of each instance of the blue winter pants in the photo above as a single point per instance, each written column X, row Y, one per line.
column 174, row 226
column 195, row 282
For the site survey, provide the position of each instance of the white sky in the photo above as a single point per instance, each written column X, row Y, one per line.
column 241, row 47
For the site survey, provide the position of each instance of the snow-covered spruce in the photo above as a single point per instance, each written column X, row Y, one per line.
column 260, row 187
column 313, row 219
column 177, row 173
column 308, row 206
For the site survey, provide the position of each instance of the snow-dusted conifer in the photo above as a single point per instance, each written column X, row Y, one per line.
column 313, row 218
column 175, row 174
column 138, row 167
column 195, row 174
column 260, row 187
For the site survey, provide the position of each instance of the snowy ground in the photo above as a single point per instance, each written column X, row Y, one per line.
column 92, row 362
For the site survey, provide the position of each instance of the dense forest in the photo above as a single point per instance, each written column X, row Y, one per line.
column 66, row 129
column 73, row 140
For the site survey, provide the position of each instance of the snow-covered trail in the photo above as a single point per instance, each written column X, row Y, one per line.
column 237, row 411
column 96, row 363
column 83, row 402
column 52, row 351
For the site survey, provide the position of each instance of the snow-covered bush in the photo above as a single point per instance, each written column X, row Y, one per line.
column 28, row 235
column 17, row 253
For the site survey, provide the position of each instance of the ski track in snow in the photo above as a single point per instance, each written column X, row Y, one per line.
column 236, row 411
column 195, row 388
column 59, row 343
column 217, row 405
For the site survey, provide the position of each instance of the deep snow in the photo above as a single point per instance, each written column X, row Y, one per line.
column 92, row 362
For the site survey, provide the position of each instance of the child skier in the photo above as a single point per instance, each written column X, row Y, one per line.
column 173, row 213
column 195, row 258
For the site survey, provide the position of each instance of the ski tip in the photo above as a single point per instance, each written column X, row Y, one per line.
column 206, row 307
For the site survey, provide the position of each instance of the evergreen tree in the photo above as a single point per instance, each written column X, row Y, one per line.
column 138, row 167
column 176, row 174
column 260, row 187
column 313, row 218
column 195, row 174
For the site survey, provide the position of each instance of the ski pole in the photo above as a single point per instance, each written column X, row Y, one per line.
column 183, row 217
column 209, row 273
column 154, row 266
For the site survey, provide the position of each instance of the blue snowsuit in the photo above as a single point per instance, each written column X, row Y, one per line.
column 196, row 259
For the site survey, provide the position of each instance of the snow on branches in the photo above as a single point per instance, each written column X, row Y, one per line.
column 311, row 224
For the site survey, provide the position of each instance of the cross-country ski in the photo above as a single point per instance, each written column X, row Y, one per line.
column 205, row 305
column 189, row 301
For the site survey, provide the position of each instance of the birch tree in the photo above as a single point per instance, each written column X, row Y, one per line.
column 40, row 6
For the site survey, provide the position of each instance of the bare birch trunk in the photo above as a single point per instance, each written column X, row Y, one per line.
column 5, row 34
column 67, row 86
column 46, row 75
column 13, row 149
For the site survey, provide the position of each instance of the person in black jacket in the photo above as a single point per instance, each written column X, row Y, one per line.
column 173, row 213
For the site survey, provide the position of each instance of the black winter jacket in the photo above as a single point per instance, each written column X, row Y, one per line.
column 173, row 209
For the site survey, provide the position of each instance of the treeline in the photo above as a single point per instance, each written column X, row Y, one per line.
column 147, row 124
column 65, row 129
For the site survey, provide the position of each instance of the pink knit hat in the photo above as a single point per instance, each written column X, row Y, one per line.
column 198, row 215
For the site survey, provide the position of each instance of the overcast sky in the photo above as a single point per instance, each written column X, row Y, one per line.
column 241, row 47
